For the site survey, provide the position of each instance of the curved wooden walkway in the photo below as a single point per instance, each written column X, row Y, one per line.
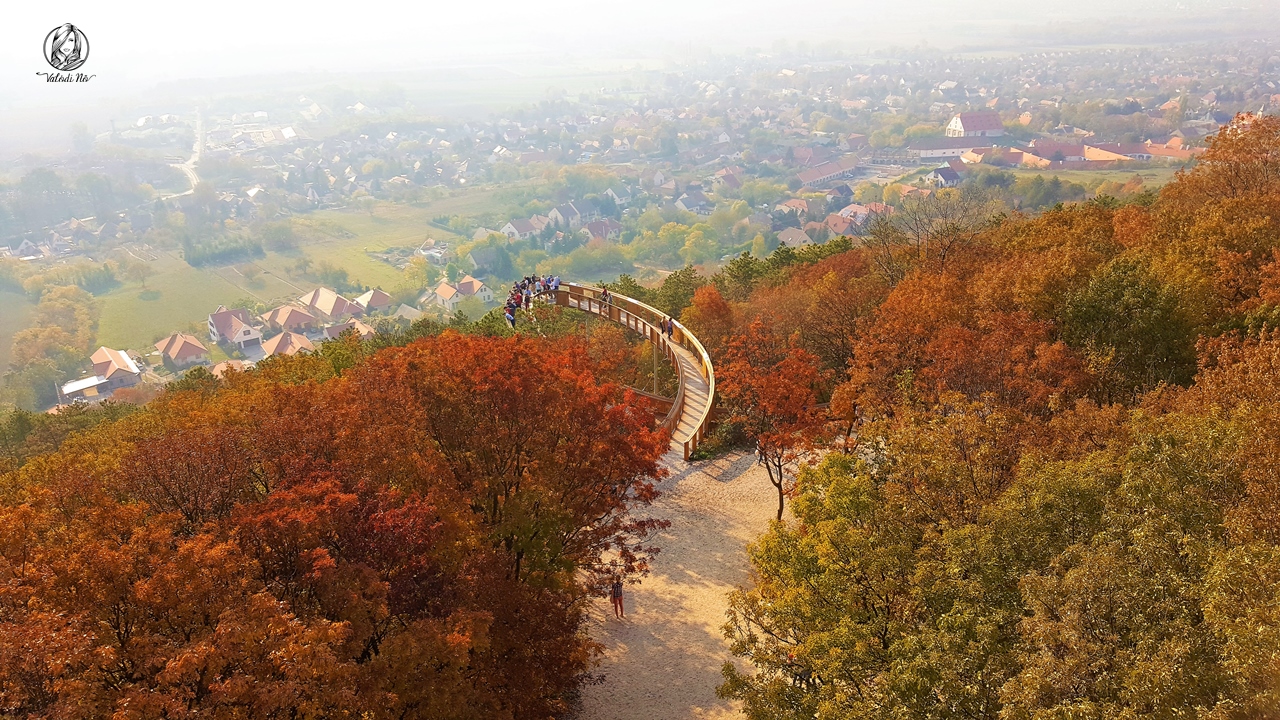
column 690, row 412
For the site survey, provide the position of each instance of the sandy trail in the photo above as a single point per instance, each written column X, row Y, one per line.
column 663, row 662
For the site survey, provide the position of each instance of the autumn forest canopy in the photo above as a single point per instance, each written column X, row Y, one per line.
column 1052, row 489
column 1025, row 469
column 413, row 538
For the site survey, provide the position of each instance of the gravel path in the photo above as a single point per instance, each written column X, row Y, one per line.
column 663, row 662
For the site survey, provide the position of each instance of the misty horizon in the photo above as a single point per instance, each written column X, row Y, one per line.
column 148, row 52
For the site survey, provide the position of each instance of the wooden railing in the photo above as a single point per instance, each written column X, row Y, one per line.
column 645, row 319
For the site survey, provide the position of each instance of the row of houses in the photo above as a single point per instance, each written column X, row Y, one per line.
column 112, row 370
column 72, row 236
column 838, row 169
column 115, row 369
column 1051, row 153
column 571, row 215
column 449, row 295
column 852, row 219
column 579, row 215
column 318, row 311
column 319, row 315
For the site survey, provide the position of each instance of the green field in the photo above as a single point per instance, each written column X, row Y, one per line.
column 465, row 202
column 1152, row 177
column 15, row 313
column 390, row 226
column 179, row 295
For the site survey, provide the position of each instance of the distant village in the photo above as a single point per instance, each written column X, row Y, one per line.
column 797, row 152
column 708, row 125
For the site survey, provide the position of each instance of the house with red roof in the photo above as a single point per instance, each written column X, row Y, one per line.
column 981, row 123
column 233, row 326
column 810, row 156
column 221, row 369
column 539, row 222
column 112, row 369
column 328, row 305
column 116, row 367
column 447, row 295
column 798, row 205
column 839, row 225
column 794, row 237
column 1175, row 148
column 287, row 343
column 826, row 172
column 606, row 229
column 182, row 350
column 374, row 301
column 361, row 329
column 290, row 317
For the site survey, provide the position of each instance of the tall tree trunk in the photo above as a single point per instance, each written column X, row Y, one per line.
column 775, row 477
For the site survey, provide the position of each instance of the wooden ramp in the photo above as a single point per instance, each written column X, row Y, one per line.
column 697, row 399
column 691, row 410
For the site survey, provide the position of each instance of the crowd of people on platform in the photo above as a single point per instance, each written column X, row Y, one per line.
column 524, row 291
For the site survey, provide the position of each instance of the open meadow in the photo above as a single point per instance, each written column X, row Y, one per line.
column 1152, row 177
column 178, row 295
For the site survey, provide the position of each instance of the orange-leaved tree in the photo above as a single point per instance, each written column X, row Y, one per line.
column 410, row 538
column 709, row 318
column 549, row 458
column 770, row 387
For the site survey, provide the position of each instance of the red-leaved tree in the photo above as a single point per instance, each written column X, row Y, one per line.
column 769, row 386
column 411, row 538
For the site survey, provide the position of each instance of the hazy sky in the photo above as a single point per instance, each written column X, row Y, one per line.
column 135, row 44
column 141, row 41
